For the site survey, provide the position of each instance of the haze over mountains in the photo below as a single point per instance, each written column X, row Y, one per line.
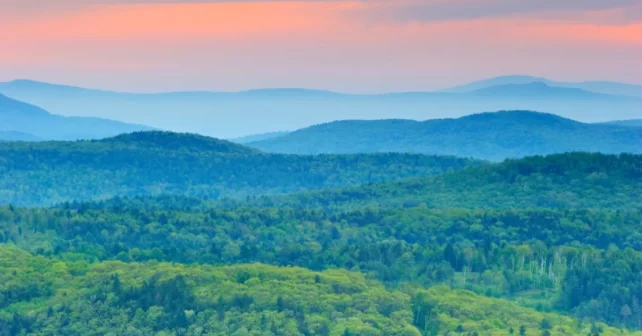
column 236, row 114
column 605, row 87
column 26, row 122
column 489, row 136
column 157, row 232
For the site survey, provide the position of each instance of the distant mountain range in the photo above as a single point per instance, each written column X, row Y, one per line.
column 490, row 136
column 17, row 136
column 259, row 137
column 234, row 114
column 611, row 88
column 25, row 122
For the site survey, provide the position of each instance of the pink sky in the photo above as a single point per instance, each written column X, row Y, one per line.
column 350, row 46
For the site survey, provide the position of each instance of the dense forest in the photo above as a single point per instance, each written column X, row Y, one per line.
column 489, row 136
column 561, row 181
column 508, row 253
column 400, row 245
column 161, row 162
column 49, row 297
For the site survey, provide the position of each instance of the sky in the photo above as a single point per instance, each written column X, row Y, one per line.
column 358, row 46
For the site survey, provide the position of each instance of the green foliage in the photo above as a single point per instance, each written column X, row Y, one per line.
column 153, row 163
column 557, row 234
column 506, row 253
column 452, row 309
column 563, row 181
column 164, row 299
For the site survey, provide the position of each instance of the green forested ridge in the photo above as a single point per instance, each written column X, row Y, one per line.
column 460, row 312
column 161, row 162
column 540, row 246
column 561, row 181
column 488, row 136
column 508, row 253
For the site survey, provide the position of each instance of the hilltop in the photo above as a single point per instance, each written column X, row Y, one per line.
column 490, row 136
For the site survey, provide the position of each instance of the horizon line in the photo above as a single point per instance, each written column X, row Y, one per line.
column 535, row 79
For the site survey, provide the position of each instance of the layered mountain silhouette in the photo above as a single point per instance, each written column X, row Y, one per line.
column 26, row 122
column 491, row 136
column 17, row 136
column 612, row 88
column 235, row 114
column 259, row 137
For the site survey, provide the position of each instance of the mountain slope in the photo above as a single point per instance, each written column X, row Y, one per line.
column 146, row 163
column 16, row 116
column 491, row 136
column 259, row 137
column 561, row 181
column 17, row 136
column 605, row 87
column 233, row 114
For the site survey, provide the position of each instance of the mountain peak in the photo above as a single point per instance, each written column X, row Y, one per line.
column 523, row 116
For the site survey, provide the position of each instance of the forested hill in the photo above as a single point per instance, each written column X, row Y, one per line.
column 571, row 180
column 168, row 141
column 150, row 163
column 38, row 124
column 52, row 297
column 490, row 136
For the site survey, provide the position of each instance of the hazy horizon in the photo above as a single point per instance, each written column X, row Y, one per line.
column 353, row 46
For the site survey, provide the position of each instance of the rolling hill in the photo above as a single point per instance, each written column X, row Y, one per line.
column 26, row 122
column 560, row 181
column 49, row 296
column 548, row 232
column 490, row 136
column 145, row 163
column 235, row 114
